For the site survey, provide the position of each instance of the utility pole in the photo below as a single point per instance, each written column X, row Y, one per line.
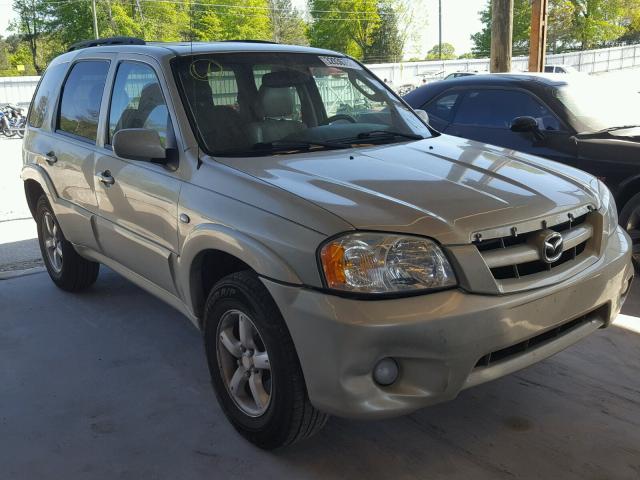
column 501, row 35
column 95, row 18
column 440, row 29
column 538, row 38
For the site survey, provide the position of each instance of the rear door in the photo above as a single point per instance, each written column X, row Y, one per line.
column 137, row 223
column 67, row 153
column 485, row 115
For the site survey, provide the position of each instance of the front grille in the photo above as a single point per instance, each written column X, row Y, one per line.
column 518, row 256
column 531, row 343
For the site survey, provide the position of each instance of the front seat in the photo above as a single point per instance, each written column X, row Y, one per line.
column 276, row 107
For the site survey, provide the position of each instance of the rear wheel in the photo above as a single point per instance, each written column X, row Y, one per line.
column 630, row 221
column 67, row 269
column 254, row 366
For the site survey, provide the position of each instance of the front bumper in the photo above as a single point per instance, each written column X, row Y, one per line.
column 438, row 339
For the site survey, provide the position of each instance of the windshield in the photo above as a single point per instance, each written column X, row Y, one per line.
column 595, row 106
column 265, row 103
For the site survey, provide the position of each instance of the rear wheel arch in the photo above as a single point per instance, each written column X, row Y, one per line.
column 33, row 191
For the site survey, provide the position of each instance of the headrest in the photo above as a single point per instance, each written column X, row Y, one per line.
column 284, row 79
column 276, row 102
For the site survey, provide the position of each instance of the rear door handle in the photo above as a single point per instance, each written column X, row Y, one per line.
column 106, row 178
column 50, row 158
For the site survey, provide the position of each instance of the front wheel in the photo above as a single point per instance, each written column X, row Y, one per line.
column 253, row 364
column 630, row 221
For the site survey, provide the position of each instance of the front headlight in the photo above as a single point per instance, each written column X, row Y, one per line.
column 608, row 209
column 384, row 263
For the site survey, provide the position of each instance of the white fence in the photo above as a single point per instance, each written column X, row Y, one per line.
column 19, row 90
column 588, row 61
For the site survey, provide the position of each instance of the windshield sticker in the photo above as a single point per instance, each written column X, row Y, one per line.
column 340, row 62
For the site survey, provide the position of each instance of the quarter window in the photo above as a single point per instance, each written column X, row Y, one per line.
column 498, row 107
column 46, row 94
column 81, row 97
column 443, row 107
column 137, row 101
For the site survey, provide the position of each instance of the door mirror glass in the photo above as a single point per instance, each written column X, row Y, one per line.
column 139, row 144
column 424, row 116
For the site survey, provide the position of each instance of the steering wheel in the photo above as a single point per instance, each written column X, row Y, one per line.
column 338, row 117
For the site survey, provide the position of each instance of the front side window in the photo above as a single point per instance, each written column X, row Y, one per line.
column 81, row 97
column 497, row 108
column 45, row 95
column 288, row 102
column 137, row 101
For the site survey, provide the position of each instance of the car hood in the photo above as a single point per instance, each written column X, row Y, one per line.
column 444, row 187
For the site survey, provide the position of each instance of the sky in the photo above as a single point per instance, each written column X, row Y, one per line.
column 459, row 20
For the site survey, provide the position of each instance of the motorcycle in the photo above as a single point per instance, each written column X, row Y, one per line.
column 12, row 121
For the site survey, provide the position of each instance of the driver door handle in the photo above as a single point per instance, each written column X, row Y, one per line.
column 106, row 178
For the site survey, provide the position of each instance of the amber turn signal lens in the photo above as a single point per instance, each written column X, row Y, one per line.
column 333, row 264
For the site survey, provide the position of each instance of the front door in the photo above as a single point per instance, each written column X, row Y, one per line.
column 138, row 201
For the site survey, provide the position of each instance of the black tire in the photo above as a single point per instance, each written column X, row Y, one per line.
column 630, row 220
column 74, row 272
column 289, row 417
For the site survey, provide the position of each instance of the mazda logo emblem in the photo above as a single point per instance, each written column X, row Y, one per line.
column 552, row 247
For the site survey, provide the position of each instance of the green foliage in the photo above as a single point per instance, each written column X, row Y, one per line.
column 344, row 25
column 521, row 28
column 571, row 24
column 287, row 24
column 466, row 55
column 388, row 42
column 448, row 52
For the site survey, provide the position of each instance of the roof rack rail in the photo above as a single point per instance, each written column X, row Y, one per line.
column 250, row 41
column 98, row 42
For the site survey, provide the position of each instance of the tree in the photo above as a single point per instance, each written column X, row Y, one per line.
column 448, row 52
column 344, row 25
column 465, row 56
column 559, row 25
column 31, row 23
column 521, row 29
column 287, row 24
column 388, row 41
column 597, row 22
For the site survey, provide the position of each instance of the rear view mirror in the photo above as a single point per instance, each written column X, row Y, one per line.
column 424, row 116
column 139, row 144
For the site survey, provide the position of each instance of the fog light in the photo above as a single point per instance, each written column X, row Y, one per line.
column 386, row 371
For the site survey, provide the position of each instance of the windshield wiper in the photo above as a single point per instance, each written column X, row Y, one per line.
column 607, row 130
column 388, row 133
column 285, row 145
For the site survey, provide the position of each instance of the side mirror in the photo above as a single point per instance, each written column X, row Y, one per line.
column 424, row 116
column 139, row 144
column 524, row 124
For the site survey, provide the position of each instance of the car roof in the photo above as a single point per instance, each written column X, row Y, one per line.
column 174, row 49
column 543, row 78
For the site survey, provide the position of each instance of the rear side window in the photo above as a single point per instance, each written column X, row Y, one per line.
column 442, row 107
column 81, row 97
column 137, row 101
column 46, row 94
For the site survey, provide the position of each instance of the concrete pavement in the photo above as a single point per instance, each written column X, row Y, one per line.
column 112, row 383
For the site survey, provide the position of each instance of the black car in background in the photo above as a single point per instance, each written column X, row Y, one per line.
column 572, row 119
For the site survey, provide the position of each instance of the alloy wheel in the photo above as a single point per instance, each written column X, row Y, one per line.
column 52, row 241
column 244, row 363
